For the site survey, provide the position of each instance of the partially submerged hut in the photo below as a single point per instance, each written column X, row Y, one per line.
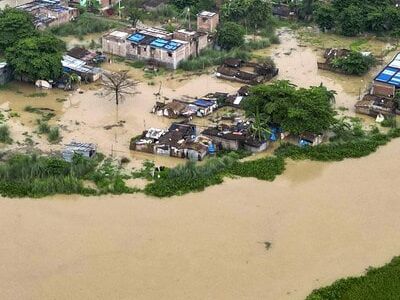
column 87, row 150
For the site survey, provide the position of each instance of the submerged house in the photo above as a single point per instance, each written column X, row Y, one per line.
column 238, row 70
column 310, row 139
column 86, row 72
column 381, row 98
column 235, row 138
column 180, row 140
column 75, row 148
column 5, row 73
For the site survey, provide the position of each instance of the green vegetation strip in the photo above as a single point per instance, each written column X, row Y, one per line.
column 196, row 177
column 377, row 283
column 39, row 176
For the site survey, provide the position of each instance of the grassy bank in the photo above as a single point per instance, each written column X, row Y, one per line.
column 377, row 283
column 194, row 177
column 338, row 150
column 39, row 176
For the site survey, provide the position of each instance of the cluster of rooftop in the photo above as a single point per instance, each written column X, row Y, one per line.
column 381, row 99
column 158, row 46
column 238, row 70
column 179, row 140
column 48, row 13
column 200, row 107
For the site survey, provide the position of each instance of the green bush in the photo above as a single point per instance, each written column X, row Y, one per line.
column 36, row 176
column 263, row 169
column 377, row 283
column 54, row 135
column 337, row 151
column 85, row 24
column 43, row 127
column 5, row 135
column 210, row 57
column 354, row 64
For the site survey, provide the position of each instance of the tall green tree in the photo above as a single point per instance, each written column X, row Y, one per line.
column 37, row 57
column 15, row 25
column 253, row 13
column 133, row 11
column 352, row 21
column 325, row 16
column 295, row 110
column 230, row 35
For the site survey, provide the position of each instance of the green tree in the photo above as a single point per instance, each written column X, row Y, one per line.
column 295, row 110
column 133, row 11
column 253, row 13
column 325, row 17
column 15, row 25
column 37, row 57
column 230, row 35
column 355, row 63
column 351, row 21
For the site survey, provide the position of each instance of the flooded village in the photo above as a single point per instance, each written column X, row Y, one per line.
column 164, row 181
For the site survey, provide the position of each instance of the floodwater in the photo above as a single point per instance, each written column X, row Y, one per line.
column 244, row 239
column 298, row 63
column 323, row 222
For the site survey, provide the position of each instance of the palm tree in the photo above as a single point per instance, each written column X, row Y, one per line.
column 259, row 127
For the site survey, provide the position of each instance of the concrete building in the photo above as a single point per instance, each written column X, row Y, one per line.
column 207, row 21
column 156, row 45
column 115, row 42
column 47, row 13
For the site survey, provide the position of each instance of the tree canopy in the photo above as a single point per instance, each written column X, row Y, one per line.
column 295, row 110
column 15, row 25
column 230, row 35
column 355, row 63
column 352, row 17
column 37, row 57
column 195, row 5
column 253, row 13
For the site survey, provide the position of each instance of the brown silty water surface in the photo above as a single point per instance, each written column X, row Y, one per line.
column 322, row 221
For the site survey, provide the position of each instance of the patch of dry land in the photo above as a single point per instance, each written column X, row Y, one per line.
column 244, row 239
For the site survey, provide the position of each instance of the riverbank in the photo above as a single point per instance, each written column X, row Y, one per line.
column 210, row 244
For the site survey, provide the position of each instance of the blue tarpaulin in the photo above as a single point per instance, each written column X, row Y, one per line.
column 203, row 103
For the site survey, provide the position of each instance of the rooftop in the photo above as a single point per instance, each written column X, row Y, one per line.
column 207, row 14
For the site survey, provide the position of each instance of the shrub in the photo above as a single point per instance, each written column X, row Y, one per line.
column 210, row 57
column 355, row 63
column 54, row 135
column 85, row 24
column 5, row 135
column 43, row 127
column 377, row 283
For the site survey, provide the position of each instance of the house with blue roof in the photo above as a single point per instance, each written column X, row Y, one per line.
column 155, row 45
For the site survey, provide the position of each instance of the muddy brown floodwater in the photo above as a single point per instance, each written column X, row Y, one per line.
column 321, row 221
column 324, row 221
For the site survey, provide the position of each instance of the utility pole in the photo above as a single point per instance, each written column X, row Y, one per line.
column 190, row 24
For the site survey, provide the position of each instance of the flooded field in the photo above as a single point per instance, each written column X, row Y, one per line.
column 323, row 222
column 244, row 239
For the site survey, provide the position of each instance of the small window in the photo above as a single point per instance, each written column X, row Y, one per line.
column 144, row 49
column 170, row 54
